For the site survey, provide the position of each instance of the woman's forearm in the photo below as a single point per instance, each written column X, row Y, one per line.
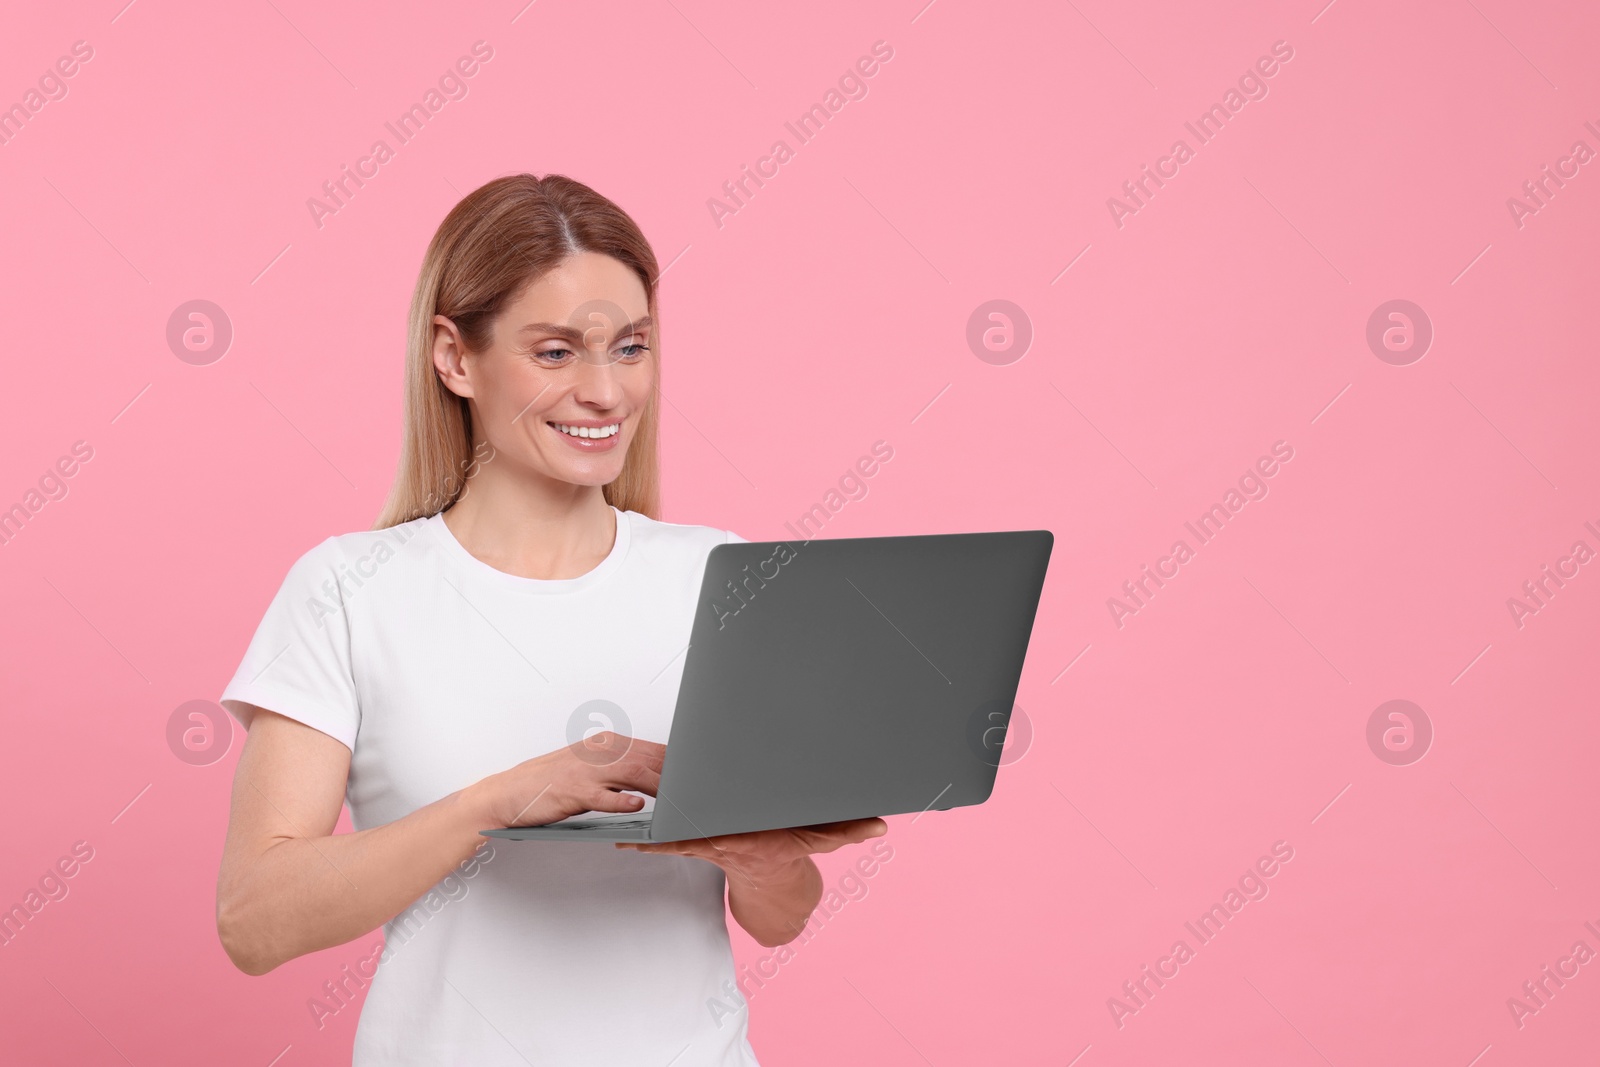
column 774, row 906
column 303, row 894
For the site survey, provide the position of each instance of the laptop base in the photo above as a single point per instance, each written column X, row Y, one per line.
column 629, row 828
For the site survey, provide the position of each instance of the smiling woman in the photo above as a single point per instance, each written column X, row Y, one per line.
column 577, row 329
column 522, row 594
column 565, row 388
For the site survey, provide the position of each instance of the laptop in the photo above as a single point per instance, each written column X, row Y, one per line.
column 840, row 678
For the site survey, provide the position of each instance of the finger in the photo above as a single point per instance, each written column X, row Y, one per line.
column 599, row 798
column 875, row 827
column 607, row 747
column 749, row 841
column 695, row 848
column 834, row 836
column 652, row 752
column 649, row 752
column 631, row 774
column 648, row 755
column 850, row 830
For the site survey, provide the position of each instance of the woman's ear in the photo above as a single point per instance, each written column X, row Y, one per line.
column 448, row 357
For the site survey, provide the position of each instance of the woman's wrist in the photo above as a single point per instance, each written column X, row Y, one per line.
column 775, row 911
column 473, row 808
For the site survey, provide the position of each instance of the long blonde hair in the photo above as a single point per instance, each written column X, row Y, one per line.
column 499, row 238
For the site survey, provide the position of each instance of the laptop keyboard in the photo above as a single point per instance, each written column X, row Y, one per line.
column 627, row 822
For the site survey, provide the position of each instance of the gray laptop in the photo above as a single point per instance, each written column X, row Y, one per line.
column 838, row 679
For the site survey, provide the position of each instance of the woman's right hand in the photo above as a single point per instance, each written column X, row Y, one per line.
column 588, row 775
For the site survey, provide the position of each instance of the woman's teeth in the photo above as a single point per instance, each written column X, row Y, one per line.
column 588, row 431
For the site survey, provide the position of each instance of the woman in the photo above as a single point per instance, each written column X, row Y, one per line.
column 517, row 592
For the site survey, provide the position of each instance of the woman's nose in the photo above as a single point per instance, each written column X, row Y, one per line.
column 598, row 382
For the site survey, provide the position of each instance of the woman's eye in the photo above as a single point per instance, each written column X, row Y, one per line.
column 561, row 357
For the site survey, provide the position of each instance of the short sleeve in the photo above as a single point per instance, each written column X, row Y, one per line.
column 298, row 662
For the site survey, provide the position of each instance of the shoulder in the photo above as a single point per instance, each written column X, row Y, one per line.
column 359, row 543
column 357, row 548
column 651, row 533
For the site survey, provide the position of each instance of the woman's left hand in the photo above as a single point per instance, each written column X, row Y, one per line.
column 766, row 855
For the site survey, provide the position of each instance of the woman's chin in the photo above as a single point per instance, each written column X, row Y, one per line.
column 590, row 473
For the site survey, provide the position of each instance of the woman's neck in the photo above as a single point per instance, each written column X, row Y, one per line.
column 564, row 532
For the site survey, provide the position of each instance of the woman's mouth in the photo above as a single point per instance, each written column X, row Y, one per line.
column 600, row 437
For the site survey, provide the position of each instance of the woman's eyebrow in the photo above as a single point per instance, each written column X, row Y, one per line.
column 575, row 335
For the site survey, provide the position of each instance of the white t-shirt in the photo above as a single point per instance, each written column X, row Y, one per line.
column 437, row 670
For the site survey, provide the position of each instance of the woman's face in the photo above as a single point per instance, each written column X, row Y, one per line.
column 570, row 353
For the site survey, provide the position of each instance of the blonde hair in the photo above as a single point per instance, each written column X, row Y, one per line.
column 499, row 238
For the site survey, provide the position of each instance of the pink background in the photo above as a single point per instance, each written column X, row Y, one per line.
column 829, row 312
